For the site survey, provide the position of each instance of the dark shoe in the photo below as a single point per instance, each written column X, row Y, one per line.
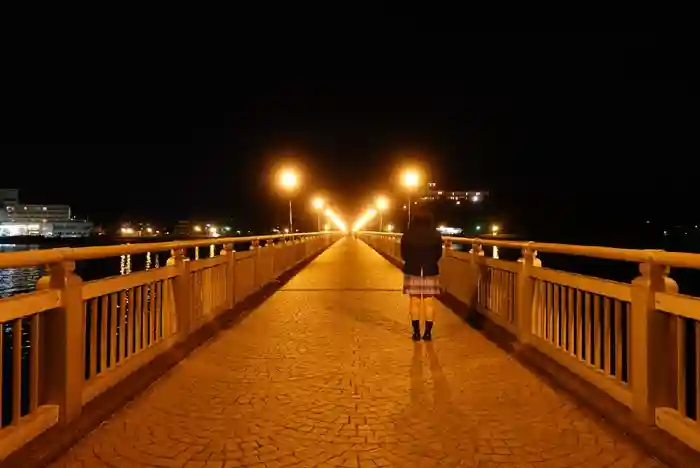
column 428, row 329
column 416, row 330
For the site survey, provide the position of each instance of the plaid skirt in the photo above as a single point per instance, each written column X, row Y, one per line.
column 421, row 285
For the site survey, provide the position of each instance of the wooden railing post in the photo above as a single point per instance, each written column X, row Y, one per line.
column 524, row 295
column 477, row 252
column 651, row 341
column 230, row 255
column 63, row 343
column 182, row 292
column 255, row 247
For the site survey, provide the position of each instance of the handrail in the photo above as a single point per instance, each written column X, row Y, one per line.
column 49, row 256
column 659, row 257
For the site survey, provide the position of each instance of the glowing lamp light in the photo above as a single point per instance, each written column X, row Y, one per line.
column 364, row 219
column 382, row 204
column 336, row 220
column 318, row 203
column 411, row 179
column 289, row 179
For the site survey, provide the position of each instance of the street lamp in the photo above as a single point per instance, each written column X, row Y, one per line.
column 495, row 229
column 410, row 180
column 382, row 205
column 289, row 181
column 318, row 206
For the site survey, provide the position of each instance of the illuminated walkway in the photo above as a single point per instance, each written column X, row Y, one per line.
column 325, row 374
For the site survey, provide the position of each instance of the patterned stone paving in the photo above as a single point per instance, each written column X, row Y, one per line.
column 324, row 374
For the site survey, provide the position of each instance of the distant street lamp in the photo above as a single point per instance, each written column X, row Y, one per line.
column 289, row 182
column 318, row 203
column 494, row 229
column 382, row 205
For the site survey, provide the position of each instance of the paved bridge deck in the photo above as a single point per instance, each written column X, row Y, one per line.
column 324, row 374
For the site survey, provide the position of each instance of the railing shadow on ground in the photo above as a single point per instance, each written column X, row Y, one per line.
column 543, row 325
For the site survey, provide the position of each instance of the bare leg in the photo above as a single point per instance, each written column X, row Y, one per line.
column 428, row 308
column 414, row 307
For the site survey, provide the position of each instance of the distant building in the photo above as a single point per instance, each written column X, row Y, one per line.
column 188, row 228
column 22, row 219
column 433, row 193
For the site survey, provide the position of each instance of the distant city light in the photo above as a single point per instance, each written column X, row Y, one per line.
column 390, row 228
column 197, row 229
column 475, row 198
column 495, row 228
column 318, row 203
column 149, row 230
column 478, row 228
column 449, row 231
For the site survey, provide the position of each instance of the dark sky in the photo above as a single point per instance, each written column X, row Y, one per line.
column 165, row 127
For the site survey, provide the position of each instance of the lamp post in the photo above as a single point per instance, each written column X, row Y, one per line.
column 289, row 181
column 410, row 180
column 318, row 206
column 382, row 205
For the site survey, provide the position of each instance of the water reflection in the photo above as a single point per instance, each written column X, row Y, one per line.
column 18, row 280
column 495, row 252
column 125, row 265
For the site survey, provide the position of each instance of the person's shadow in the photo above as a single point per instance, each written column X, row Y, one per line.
column 442, row 394
column 417, row 389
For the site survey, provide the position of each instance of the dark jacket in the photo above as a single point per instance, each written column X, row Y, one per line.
column 421, row 248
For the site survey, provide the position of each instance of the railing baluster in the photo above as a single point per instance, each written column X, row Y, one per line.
column 619, row 309
column 16, row 370
column 606, row 336
column 122, row 325
column 556, row 310
column 144, row 316
column 113, row 297
column 104, row 307
column 681, row 363
column 570, row 312
column 137, row 318
column 93, row 338
column 579, row 324
column 34, row 353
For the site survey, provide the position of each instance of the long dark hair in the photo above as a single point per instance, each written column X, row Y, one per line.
column 422, row 221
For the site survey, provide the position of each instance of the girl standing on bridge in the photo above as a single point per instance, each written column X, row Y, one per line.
column 421, row 249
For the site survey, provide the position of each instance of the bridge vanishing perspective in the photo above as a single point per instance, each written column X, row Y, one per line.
column 263, row 363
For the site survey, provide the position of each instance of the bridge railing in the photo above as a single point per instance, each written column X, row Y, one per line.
column 638, row 341
column 71, row 340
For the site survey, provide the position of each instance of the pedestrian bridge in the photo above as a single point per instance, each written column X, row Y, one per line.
column 297, row 352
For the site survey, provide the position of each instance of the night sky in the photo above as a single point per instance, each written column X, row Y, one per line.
column 555, row 125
